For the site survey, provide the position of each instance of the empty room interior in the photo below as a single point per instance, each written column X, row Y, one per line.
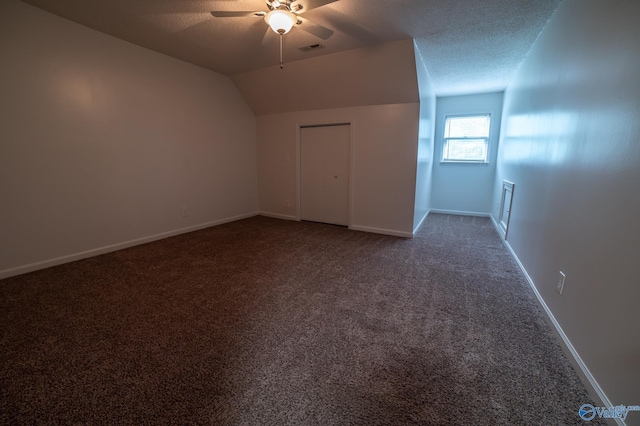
column 320, row 212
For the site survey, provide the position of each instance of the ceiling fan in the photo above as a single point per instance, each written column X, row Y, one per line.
column 284, row 15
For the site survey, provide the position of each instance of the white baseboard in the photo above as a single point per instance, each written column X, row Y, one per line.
column 584, row 372
column 278, row 215
column 391, row 232
column 6, row 273
column 352, row 227
column 460, row 212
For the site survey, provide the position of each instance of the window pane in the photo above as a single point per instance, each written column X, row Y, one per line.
column 467, row 127
column 465, row 150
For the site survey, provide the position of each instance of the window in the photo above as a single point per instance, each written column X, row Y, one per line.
column 466, row 138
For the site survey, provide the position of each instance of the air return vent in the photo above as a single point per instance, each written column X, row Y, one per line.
column 312, row 47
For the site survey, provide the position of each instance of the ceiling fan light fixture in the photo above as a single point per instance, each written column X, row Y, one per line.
column 280, row 21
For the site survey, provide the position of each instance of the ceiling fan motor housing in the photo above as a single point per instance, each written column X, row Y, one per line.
column 282, row 4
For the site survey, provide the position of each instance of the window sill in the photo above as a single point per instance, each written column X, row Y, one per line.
column 462, row 162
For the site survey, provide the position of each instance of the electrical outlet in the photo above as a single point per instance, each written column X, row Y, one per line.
column 184, row 212
column 286, row 204
column 560, row 285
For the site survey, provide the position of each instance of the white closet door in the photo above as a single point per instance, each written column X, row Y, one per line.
column 324, row 174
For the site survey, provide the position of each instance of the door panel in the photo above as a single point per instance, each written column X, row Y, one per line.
column 324, row 174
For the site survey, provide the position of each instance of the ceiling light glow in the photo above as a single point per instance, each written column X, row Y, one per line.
column 280, row 21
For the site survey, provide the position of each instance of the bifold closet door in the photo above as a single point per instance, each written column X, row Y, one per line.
column 324, row 174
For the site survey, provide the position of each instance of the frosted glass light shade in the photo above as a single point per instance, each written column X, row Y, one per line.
column 280, row 21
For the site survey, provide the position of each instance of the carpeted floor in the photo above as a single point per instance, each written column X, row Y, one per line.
column 270, row 322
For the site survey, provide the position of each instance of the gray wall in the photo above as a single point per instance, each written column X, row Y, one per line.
column 105, row 144
column 461, row 187
column 571, row 144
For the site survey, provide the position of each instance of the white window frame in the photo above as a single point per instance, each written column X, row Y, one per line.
column 445, row 140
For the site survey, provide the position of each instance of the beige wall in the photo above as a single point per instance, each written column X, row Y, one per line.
column 104, row 143
column 383, row 172
column 571, row 144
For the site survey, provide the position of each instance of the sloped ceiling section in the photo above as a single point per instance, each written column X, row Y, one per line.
column 468, row 46
column 380, row 75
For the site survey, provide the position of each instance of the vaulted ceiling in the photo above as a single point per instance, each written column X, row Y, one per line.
column 468, row 46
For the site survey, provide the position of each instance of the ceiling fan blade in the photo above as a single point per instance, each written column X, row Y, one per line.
column 235, row 14
column 315, row 29
column 308, row 5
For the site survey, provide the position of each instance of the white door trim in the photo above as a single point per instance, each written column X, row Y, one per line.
column 505, row 202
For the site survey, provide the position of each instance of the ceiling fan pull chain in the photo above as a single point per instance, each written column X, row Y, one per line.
column 281, row 63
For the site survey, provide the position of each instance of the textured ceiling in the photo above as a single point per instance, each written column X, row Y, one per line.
column 468, row 46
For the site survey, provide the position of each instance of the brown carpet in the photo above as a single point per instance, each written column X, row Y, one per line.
column 270, row 322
